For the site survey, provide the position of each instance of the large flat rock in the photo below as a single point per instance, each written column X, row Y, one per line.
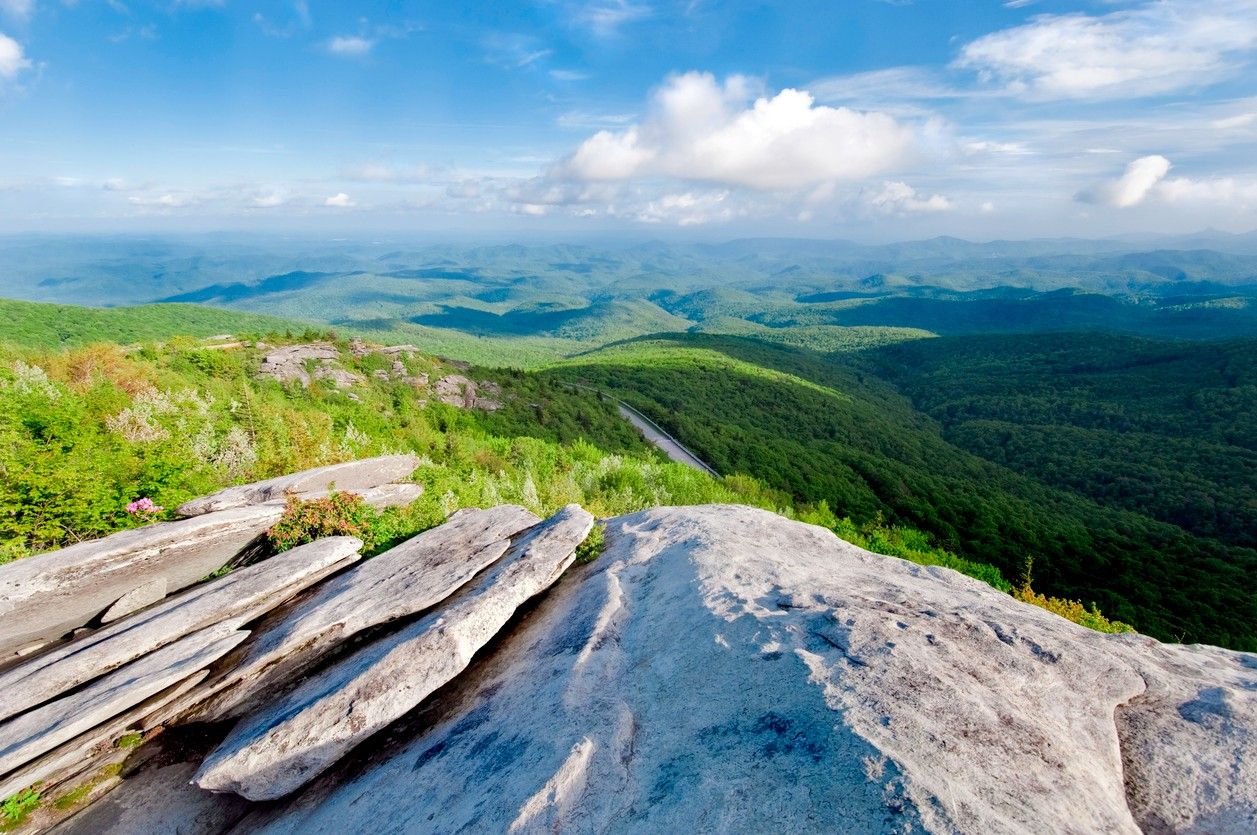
column 38, row 731
column 276, row 750
column 402, row 581
column 723, row 669
column 241, row 596
column 44, row 596
column 352, row 476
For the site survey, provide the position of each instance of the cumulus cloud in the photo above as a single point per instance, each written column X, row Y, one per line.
column 1227, row 191
column 901, row 198
column 339, row 201
column 12, row 59
column 1133, row 186
column 689, row 208
column 350, row 45
column 1156, row 48
column 698, row 129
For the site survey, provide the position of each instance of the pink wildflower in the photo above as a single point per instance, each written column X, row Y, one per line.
column 144, row 506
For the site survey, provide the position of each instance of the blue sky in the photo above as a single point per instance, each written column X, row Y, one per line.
column 849, row 118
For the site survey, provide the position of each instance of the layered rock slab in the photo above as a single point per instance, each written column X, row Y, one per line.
column 44, row 596
column 38, row 731
column 404, row 580
column 234, row 599
column 720, row 668
column 138, row 598
column 71, row 759
column 274, row 751
column 350, row 476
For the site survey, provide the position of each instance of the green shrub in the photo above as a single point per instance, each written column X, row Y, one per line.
column 1069, row 609
column 592, row 547
column 305, row 520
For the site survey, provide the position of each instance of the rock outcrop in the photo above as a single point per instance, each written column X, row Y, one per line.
column 237, row 598
column 45, row 596
column 716, row 669
column 279, row 748
column 44, row 728
column 722, row 669
column 306, row 363
column 350, row 475
column 466, row 393
column 403, row 581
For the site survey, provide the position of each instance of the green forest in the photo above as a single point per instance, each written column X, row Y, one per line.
column 827, row 427
column 1116, row 470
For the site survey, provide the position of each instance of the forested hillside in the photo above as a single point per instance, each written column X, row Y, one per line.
column 827, row 429
column 1165, row 429
column 90, row 433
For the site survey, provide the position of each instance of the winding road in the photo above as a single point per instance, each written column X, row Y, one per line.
column 654, row 433
column 670, row 445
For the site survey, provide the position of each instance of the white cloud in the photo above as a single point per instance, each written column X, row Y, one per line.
column 12, row 59
column 162, row 201
column 605, row 17
column 339, row 201
column 1227, row 191
column 568, row 75
column 350, row 45
column 1133, row 186
column 585, row 119
column 698, row 129
column 513, row 50
column 689, row 209
column 268, row 201
column 901, row 198
column 377, row 172
column 20, row 9
column 463, row 190
column 885, row 86
column 1242, row 120
column 982, row 147
column 1155, row 48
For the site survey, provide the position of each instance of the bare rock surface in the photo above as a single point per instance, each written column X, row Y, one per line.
column 349, row 475
column 47, row 595
column 138, row 598
column 722, row 669
column 294, row 362
column 466, row 393
column 71, row 759
column 279, row 748
column 239, row 597
column 38, row 731
column 402, row 581
column 159, row 800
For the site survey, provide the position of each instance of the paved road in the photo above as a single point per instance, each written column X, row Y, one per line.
column 670, row 446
